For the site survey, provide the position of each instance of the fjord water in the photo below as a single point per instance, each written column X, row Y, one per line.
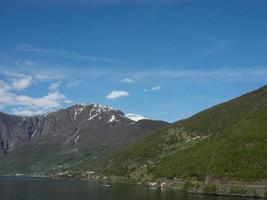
column 24, row 188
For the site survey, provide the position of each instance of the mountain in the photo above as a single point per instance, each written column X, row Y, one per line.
column 83, row 132
column 225, row 142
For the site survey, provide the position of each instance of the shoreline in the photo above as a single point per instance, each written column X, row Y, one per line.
column 242, row 189
column 192, row 186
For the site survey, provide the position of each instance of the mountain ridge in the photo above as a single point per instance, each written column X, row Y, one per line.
column 224, row 141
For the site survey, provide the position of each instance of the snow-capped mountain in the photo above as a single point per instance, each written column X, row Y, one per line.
column 91, row 127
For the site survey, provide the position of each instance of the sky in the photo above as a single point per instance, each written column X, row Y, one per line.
column 163, row 60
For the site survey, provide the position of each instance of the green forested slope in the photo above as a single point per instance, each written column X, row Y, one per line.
column 227, row 140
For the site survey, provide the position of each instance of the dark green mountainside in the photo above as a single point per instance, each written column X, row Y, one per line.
column 226, row 141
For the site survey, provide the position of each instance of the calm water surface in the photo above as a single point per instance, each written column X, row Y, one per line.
column 21, row 188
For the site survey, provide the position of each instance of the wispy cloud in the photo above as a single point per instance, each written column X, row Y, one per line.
column 115, row 94
column 74, row 83
column 64, row 53
column 219, row 74
column 219, row 46
column 19, row 81
column 40, row 72
column 128, row 80
column 23, row 83
column 54, row 86
column 154, row 88
column 31, row 49
column 93, row 58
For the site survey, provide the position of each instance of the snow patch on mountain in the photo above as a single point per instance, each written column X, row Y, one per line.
column 77, row 138
column 113, row 118
column 96, row 106
column 92, row 116
column 134, row 117
column 77, row 111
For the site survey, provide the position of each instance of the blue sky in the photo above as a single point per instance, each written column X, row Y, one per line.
column 161, row 59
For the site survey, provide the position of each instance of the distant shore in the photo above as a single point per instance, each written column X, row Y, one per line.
column 228, row 188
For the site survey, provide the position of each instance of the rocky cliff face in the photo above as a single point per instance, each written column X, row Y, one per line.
column 79, row 127
column 15, row 131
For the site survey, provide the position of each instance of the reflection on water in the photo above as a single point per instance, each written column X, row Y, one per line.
column 21, row 188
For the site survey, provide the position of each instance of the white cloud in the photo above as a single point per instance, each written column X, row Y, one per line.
column 19, row 81
column 5, row 95
column 12, row 94
column 128, row 80
column 4, row 86
column 74, row 83
column 28, row 105
column 54, row 86
column 156, row 88
column 117, row 94
column 23, row 83
column 134, row 117
column 51, row 100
